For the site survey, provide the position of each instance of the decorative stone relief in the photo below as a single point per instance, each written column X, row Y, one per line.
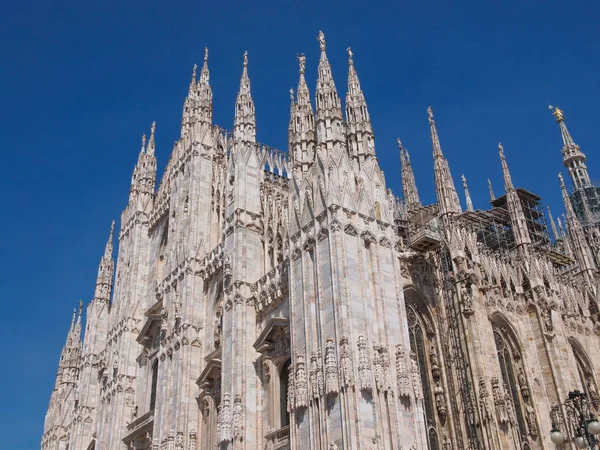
column 364, row 365
column 346, row 368
column 301, row 383
column 331, row 369
column 484, row 402
column 402, row 377
column 224, row 419
column 499, row 402
column 238, row 418
column 416, row 377
column 440, row 400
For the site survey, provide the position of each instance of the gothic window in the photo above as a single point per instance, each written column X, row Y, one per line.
column 153, row 385
column 585, row 372
column 509, row 360
column 284, row 376
column 423, row 346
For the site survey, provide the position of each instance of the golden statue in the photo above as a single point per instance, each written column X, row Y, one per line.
column 557, row 113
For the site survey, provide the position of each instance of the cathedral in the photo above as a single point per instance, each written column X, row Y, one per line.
column 263, row 299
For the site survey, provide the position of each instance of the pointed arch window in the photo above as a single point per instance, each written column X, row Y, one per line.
column 585, row 372
column 423, row 346
column 514, row 386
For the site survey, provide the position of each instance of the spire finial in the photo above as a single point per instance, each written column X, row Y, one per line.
column 205, row 54
column 321, row 40
column 561, row 181
column 152, row 129
column 430, row 115
column 302, row 62
column 143, row 143
column 246, row 58
column 469, row 202
column 292, row 95
column 194, row 70
column 108, row 250
column 73, row 319
column 399, row 143
column 492, row 196
column 556, row 112
column 80, row 307
column 501, row 150
column 350, row 56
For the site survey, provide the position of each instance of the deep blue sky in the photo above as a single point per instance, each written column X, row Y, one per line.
column 81, row 81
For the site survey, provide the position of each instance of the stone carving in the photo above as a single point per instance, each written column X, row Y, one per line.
column 291, row 390
column 416, row 377
column 238, row 418
column 179, row 440
column 402, row 377
column 435, row 362
column 531, row 421
column 523, row 383
column 301, row 393
column 466, row 293
column 440, row 400
column 499, row 402
column 224, row 430
column 484, row 402
column 192, row 440
column 346, row 368
column 331, row 369
column 364, row 365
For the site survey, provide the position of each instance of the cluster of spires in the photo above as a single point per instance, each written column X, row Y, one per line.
column 303, row 138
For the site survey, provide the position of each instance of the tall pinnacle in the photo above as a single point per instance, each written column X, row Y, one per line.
column 329, row 110
column 492, row 196
column 143, row 179
column 302, row 122
column 580, row 247
column 555, row 234
column 244, row 125
column 467, row 195
column 151, row 143
column 106, row 269
column 573, row 157
column 515, row 208
column 447, row 197
column 409, row 187
column 360, row 132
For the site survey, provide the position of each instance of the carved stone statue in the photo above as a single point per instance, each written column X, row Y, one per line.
column 321, row 40
column 302, row 62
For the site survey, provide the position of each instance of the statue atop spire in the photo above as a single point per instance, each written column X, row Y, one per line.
column 350, row 56
column 302, row 63
column 143, row 149
column 573, row 157
column 205, row 54
column 246, row 58
column 321, row 40
column 151, row 143
column 556, row 112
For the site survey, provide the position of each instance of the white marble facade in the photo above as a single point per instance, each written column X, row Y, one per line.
column 271, row 300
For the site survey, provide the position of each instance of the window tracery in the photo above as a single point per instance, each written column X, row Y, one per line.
column 516, row 396
column 425, row 360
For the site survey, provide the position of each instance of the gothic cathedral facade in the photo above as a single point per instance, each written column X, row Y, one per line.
column 271, row 300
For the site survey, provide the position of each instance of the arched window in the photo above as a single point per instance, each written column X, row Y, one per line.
column 153, row 385
column 424, row 348
column 585, row 372
column 284, row 376
column 514, row 387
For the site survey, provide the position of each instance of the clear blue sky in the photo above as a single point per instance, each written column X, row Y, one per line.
column 81, row 81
